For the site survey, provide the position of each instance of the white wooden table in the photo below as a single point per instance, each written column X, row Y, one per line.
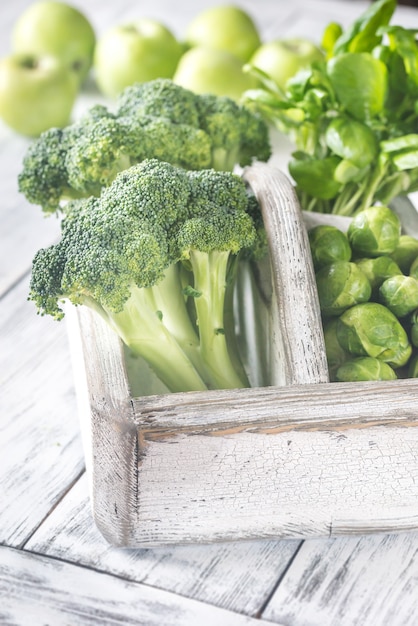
column 55, row 568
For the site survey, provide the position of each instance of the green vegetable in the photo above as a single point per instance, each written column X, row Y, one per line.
column 351, row 140
column 413, row 367
column 335, row 354
column 341, row 285
column 328, row 244
column 413, row 270
column 405, row 253
column 377, row 270
column 360, row 84
column 353, row 117
column 413, row 332
column 400, row 294
column 374, row 231
column 157, row 119
column 386, row 328
column 364, row 368
column 156, row 256
column 370, row 329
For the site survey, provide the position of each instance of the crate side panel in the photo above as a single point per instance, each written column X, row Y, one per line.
column 296, row 483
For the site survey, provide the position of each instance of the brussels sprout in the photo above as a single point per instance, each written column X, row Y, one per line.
column 406, row 252
column 365, row 368
column 377, row 270
column 399, row 294
column 413, row 367
column 413, row 270
column 413, row 330
column 336, row 355
column 374, row 232
column 328, row 244
column 340, row 285
column 370, row 329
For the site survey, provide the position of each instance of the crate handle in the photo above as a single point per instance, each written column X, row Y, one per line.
column 297, row 314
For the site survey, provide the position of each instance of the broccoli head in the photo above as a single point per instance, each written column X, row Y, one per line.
column 153, row 256
column 158, row 119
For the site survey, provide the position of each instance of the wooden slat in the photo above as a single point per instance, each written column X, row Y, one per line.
column 350, row 581
column 235, row 576
column 328, row 406
column 35, row 591
column 40, row 447
column 296, row 331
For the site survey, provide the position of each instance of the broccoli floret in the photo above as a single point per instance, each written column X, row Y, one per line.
column 43, row 179
column 181, row 144
column 236, row 134
column 126, row 255
column 93, row 161
column 159, row 98
column 158, row 119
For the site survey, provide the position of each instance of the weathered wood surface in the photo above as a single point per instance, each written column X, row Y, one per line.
column 41, row 453
column 297, row 343
column 344, row 581
column 239, row 576
column 350, row 581
column 45, row 590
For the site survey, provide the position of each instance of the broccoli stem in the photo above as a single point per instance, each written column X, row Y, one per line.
column 171, row 302
column 210, row 276
column 224, row 159
column 141, row 328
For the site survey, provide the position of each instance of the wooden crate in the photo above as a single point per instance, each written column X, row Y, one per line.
column 300, row 457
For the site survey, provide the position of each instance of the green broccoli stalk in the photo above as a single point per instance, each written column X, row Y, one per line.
column 157, row 119
column 210, row 242
column 124, row 254
column 142, row 328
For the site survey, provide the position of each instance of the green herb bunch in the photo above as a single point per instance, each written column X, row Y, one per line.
column 353, row 117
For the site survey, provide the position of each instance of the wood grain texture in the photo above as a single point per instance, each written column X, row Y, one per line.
column 238, row 576
column 350, row 581
column 109, row 434
column 40, row 448
column 36, row 591
column 296, row 330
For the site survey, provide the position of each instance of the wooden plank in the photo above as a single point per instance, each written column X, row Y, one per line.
column 296, row 331
column 36, row 590
column 332, row 406
column 40, row 447
column 235, row 576
column 350, row 581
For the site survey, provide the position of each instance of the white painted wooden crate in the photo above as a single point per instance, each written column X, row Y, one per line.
column 299, row 457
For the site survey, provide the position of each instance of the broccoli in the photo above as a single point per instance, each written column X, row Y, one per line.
column 155, row 256
column 158, row 119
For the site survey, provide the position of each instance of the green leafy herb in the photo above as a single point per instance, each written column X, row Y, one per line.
column 353, row 117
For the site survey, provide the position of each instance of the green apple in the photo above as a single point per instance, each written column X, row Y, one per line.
column 136, row 52
column 225, row 28
column 206, row 70
column 36, row 93
column 56, row 29
column 283, row 58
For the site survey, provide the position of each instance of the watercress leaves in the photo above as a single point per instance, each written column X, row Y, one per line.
column 360, row 82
